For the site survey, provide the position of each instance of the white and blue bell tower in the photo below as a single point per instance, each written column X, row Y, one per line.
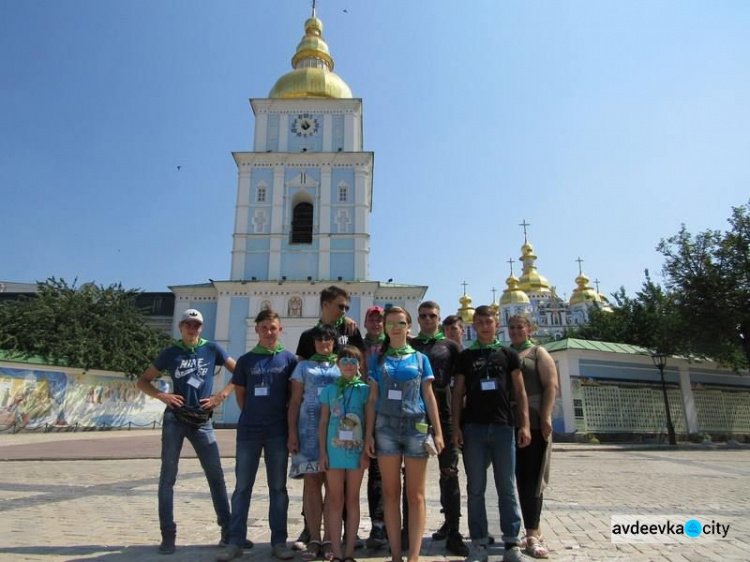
column 302, row 216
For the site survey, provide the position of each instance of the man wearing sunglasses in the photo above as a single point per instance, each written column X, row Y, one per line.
column 334, row 304
column 443, row 355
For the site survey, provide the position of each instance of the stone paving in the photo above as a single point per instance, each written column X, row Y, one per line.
column 94, row 498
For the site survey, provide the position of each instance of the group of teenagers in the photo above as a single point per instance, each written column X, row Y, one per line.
column 343, row 405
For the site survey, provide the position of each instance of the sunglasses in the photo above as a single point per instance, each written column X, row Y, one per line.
column 344, row 307
column 425, row 315
column 401, row 324
column 349, row 361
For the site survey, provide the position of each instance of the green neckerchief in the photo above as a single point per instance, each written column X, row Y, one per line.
column 324, row 358
column 191, row 348
column 525, row 345
column 430, row 339
column 342, row 383
column 336, row 324
column 494, row 345
column 379, row 339
column 397, row 352
column 260, row 350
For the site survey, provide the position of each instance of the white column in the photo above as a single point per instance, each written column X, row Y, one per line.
column 242, row 212
column 284, row 132
column 324, row 214
column 327, row 132
column 688, row 400
column 277, row 201
column 261, row 132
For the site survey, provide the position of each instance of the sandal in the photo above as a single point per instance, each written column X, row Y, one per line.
column 535, row 548
column 327, row 550
column 314, row 549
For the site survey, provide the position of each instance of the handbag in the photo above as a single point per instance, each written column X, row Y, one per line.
column 192, row 418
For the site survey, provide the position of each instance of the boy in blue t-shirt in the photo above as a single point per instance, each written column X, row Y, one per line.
column 190, row 363
column 261, row 382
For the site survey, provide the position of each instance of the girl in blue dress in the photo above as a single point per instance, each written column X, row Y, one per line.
column 400, row 381
column 342, row 454
column 308, row 381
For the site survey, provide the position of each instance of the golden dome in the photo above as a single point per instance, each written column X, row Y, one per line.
column 466, row 312
column 531, row 281
column 584, row 293
column 513, row 294
column 313, row 75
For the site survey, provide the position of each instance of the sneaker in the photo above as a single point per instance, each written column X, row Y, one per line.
column 377, row 538
column 513, row 554
column 281, row 552
column 456, row 545
column 442, row 533
column 231, row 552
column 478, row 553
column 167, row 545
column 301, row 542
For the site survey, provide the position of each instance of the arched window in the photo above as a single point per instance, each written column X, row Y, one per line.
column 343, row 193
column 261, row 194
column 302, row 223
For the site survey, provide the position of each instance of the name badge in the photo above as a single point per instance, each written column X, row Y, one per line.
column 346, row 435
column 261, row 391
column 194, row 382
column 394, row 394
column 489, row 384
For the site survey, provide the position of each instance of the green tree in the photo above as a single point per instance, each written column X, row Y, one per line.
column 90, row 327
column 709, row 276
column 649, row 320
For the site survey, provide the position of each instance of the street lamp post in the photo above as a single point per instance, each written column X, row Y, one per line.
column 660, row 361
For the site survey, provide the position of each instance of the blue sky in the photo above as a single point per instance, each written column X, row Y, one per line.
column 603, row 124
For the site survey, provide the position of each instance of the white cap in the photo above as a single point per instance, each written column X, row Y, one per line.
column 191, row 315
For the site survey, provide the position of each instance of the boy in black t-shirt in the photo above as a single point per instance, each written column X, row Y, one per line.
column 490, row 377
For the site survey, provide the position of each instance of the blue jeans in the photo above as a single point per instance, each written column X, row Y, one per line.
column 203, row 440
column 248, row 459
column 486, row 444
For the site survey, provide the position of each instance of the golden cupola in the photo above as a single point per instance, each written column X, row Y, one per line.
column 313, row 75
column 584, row 293
column 513, row 294
column 531, row 280
column 466, row 311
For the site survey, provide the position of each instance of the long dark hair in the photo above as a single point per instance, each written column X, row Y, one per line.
column 387, row 342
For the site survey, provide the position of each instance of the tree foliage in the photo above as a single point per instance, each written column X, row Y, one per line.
column 90, row 327
column 709, row 276
column 703, row 310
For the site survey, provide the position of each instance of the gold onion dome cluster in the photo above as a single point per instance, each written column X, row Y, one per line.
column 313, row 75
column 531, row 281
column 466, row 312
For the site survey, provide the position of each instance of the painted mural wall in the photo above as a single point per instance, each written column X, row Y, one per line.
column 32, row 397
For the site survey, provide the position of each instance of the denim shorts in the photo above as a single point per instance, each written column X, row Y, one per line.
column 399, row 436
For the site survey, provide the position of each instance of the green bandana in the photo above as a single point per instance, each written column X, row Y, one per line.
column 191, row 348
column 431, row 339
column 397, row 352
column 494, row 345
column 336, row 324
column 324, row 358
column 260, row 350
column 342, row 384
column 379, row 339
column 525, row 345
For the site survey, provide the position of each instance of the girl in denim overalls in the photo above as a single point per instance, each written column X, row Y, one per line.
column 401, row 391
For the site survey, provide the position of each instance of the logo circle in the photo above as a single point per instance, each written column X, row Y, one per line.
column 693, row 528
